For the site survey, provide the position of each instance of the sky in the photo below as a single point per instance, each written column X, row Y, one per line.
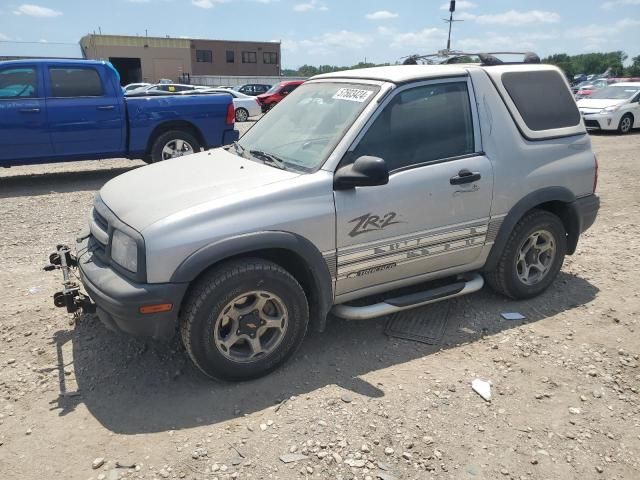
column 342, row 32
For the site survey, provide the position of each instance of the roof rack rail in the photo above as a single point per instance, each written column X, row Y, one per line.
column 454, row 56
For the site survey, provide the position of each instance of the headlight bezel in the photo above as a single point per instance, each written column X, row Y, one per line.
column 115, row 224
column 611, row 109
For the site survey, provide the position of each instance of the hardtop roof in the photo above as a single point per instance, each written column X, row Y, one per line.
column 409, row 73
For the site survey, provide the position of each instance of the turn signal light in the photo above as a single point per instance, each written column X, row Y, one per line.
column 159, row 308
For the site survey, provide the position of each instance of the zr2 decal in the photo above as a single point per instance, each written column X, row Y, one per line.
column 371, row 223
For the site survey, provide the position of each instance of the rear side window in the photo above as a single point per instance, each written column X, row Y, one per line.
column 542, row 99
column 75, row 82
column 19, row 82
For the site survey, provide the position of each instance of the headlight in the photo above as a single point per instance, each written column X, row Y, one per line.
column 124, row 251
column 610, row 109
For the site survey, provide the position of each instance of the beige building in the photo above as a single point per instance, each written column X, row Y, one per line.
column 149, row 59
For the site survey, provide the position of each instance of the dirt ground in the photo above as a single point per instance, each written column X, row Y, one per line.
column 353, row 403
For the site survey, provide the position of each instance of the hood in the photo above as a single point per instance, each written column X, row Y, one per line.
column 598, row 103
column 145, row 195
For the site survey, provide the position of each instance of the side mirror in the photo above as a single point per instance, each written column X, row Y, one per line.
column 364, row 172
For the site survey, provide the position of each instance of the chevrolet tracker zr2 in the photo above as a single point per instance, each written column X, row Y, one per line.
column 359, row 185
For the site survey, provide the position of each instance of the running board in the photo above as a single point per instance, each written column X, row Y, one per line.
column 397, row 304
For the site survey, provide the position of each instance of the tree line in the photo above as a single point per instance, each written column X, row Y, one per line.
column 586, row 63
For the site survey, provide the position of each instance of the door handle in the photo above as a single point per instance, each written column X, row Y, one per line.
column 106, row 107
column 465, row 176
column 30, row 110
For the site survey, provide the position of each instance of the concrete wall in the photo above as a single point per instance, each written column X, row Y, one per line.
column 220, row 66
column 233, row 81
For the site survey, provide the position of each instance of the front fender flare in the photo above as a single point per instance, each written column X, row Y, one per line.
column 321, row 298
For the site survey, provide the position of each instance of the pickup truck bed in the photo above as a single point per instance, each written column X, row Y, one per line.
column 60, row 110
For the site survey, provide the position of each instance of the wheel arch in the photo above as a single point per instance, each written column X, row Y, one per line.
column 292, row 252
column 181, row 125
column 557, row 200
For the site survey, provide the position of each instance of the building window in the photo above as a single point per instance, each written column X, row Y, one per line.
column 249, row 57
column 231, row 56
column 270, row 58
column 204, row 56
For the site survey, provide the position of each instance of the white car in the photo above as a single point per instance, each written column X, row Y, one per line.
column 245, row 105
column 135, row 86
column 616, row 107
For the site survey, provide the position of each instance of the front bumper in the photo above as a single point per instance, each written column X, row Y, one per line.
column 600, row 121
column 119, row 299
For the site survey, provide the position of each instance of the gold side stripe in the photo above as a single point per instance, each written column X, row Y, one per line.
column 409, row 255
column 411, row 243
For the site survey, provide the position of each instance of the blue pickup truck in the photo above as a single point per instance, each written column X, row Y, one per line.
column 61, row 110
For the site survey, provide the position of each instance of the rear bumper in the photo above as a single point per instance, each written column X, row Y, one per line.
column 587, row 208
column 118, row 299
column 230, row 136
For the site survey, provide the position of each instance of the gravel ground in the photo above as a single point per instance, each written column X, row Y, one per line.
column 82, row 402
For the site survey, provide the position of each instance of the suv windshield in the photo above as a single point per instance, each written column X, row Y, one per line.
column 303, row 130
column 616, row 92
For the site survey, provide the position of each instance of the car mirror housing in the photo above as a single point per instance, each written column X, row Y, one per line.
column 366, row 171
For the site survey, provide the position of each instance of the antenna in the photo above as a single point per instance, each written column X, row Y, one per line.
column 452, row 8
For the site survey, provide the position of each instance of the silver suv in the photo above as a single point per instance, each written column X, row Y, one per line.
column 359, row 184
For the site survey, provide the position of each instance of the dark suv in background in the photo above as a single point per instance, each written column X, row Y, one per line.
column 253, row 89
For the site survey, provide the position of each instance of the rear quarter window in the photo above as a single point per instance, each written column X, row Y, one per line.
column 542, row 99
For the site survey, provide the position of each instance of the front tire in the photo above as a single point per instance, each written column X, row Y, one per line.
column 626, row 124
column 173, row 144
column 532, row 257
column 244, row 319
column 241, row 115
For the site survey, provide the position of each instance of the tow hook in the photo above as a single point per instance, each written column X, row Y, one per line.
column 70, row 297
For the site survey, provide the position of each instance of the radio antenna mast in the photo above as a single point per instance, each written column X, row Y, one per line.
column 452, row 8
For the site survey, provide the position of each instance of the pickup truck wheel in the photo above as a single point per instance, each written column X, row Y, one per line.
column 244, row 319
column 174, row 144
column 241, row 115
column 532, row 257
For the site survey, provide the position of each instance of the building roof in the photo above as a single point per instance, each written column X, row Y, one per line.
column 9, row 49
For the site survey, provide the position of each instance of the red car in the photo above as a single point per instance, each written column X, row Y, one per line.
column 276, row 93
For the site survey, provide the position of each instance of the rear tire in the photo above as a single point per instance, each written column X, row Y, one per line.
column 181, row 142
column 244, row 319
column 626, row 124
column 242, row 114
column 532, row 257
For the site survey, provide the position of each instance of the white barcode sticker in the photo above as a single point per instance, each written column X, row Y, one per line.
column 352, row 94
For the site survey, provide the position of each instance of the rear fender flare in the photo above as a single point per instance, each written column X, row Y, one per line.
column 567, row 213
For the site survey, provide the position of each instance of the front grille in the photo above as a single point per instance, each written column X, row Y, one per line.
column 591, row 124
column 99, row 228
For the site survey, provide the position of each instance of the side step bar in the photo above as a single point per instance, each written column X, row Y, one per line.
column 397, row 304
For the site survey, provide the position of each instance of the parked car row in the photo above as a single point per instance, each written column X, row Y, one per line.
column 249, row 100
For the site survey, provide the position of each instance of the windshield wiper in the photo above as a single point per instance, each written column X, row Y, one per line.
column 269, row 157
column 238, row 148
